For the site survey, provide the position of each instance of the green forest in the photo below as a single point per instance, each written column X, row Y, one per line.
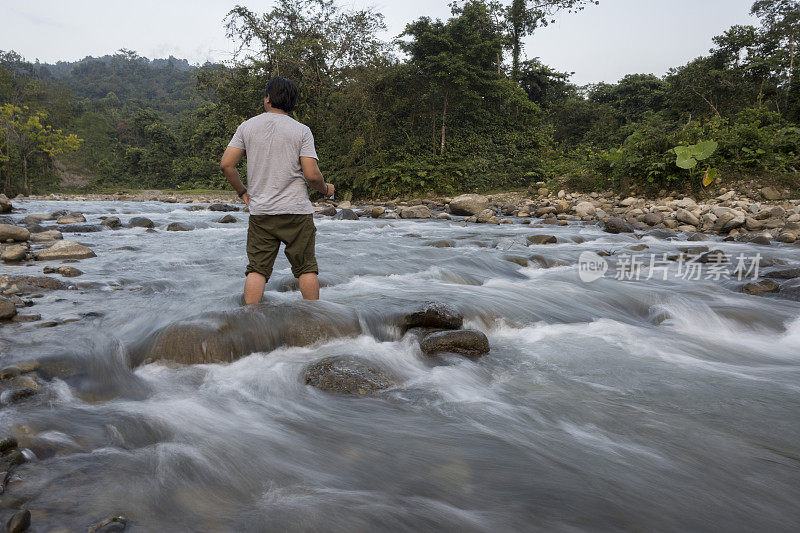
column 454, row 105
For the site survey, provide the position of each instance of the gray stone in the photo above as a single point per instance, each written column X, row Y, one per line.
column 65, row 250
column 5, row 204
column 467, row 342
column 13, row 253
column 222, row 207
column 346, row 214
column 7, row 309
column 71, row 218
column 227, row 219
column 789, row 273
column 760, row 287
column 13, row 233
column 468, row 204
column 617, row 225
column 417, row 211
column 771, row 193
column 225, row 337
column 347, row 375
column 542, row 239
column 111, row 222
column 19, row 522
column 46, row 236
column 433, row 315
column 179, row 226
column 141, row 222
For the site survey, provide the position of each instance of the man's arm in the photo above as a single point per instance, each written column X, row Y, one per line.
column 314, row 176
column 230, row 159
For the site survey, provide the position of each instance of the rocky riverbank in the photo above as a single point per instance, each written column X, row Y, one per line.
column 768, row 213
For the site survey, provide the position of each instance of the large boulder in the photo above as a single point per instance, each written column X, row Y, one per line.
column 468, row 204
column 416, row 211
column 468, row 342
column 221, row 337
column 10, row 232
column 346, row 375
column 141, row 222
column 65, row 250
column 433, row 315
column 377, row 211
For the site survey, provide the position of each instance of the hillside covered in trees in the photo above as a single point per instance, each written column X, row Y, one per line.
column 449, row 106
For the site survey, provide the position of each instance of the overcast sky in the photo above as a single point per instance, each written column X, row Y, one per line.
column 602, row 43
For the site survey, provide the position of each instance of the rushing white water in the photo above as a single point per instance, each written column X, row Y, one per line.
column 642, row 405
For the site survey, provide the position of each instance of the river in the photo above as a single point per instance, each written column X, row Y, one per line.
column 617, row 404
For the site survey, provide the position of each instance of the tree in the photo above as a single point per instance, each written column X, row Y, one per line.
column 31, row 135
column 525, row 16
column 454, row 60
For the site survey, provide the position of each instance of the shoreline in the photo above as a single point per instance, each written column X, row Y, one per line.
column 765, row 213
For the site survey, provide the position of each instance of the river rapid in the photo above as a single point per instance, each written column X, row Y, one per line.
column 649, row 404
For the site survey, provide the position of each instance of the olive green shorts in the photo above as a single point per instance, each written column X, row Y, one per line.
column 265, row 235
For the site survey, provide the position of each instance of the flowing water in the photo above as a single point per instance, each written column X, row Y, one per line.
column 667, row 405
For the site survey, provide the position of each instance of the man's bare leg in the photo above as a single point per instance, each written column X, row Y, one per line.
column 254, row 288
column 309, row 286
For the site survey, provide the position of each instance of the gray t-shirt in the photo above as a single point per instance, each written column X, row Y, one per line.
column 274, row 144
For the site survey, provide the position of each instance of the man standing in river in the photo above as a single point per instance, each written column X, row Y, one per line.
column 281, row 159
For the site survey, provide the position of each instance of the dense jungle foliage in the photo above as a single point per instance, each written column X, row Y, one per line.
column 449, row 106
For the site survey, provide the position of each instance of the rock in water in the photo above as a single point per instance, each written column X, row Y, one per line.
column 19, row 521
column 433, row 315
column 65, row 250
column 13, row 253
column 179, row 226
column 5, row 204
column 141, row 222
column 789, row 273
column 46, row 236
column 227, row 219
column 417, row 211
column 111, row 222
column 13, row 233
column 468, row 342
column 542, row 239
column 71, row 218
column 222, row 207
column 346, row 375
column 328, row 211
column 346, row 214
column 764, row 286
column 228, row 336
column 7, row 309
column 468, row 204
column 617, row 225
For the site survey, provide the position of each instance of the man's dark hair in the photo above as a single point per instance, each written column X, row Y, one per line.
column 282, row 93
